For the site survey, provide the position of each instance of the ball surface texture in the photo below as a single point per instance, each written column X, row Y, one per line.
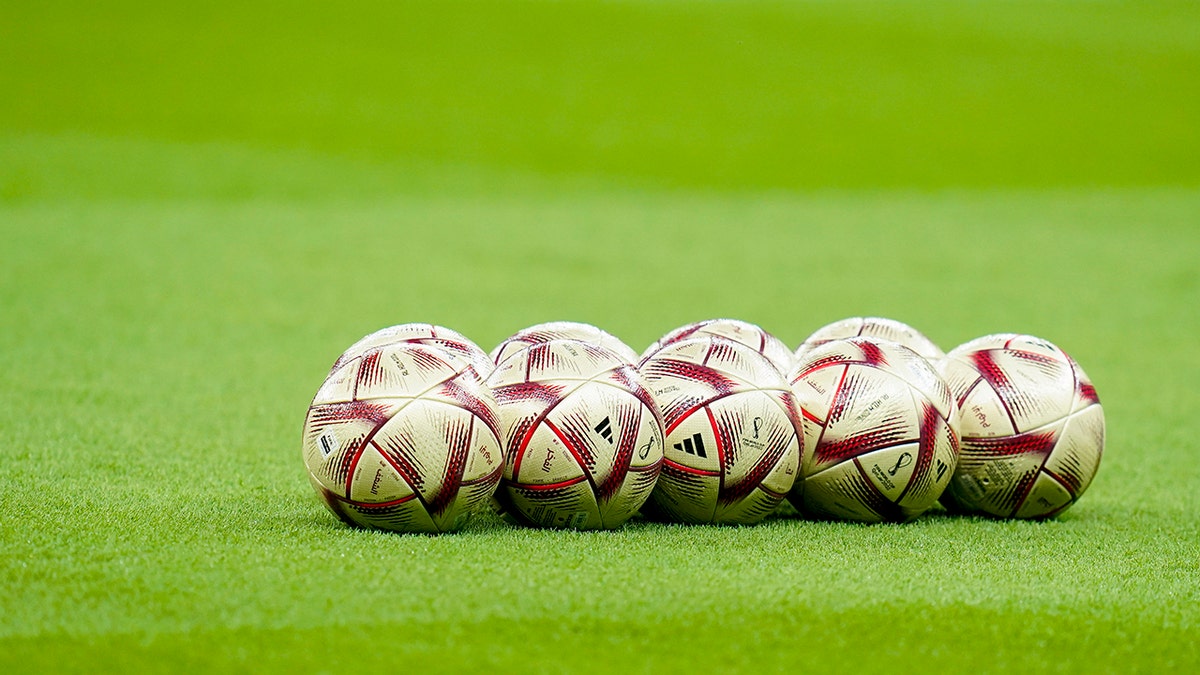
column 1032, row 427
column 583, row 438
column 736, row 330
column 422, row 333
column 562, row 330
column 876, row 327
column 403, row 437
column 880, row 431
column 733, row 433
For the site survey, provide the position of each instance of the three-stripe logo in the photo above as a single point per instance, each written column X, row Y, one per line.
column 692, row 446
column 604, row 428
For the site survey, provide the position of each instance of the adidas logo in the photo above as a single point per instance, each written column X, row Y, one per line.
column 605, row 430
column 692, row 446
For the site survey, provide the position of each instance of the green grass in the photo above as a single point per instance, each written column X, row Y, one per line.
column 751, row 94
column 199, row 211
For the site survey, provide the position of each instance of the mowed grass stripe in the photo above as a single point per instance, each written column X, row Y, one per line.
column 898, row 638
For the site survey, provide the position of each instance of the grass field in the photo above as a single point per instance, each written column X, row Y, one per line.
column 200, row 208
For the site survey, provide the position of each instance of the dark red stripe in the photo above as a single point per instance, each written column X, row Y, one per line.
column 688, row 469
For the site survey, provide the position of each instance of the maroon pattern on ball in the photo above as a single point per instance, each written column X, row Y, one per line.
column 1087, row 393
column 922, row 476
column 369, row 372
column 426, row 359
column 458, row 445
column 538, row 391
column 872, row 354
column 627, row 420
column 472, row 403
column 541, row 357
column 823, row 362
column 861, row 488
column 1033, row 442
column 717, row 382
column 399, row 450
column 1013, row 398
column 891, row 432
column 576, row 431
column 627, row 378
column 777, row 444
column 326, row 414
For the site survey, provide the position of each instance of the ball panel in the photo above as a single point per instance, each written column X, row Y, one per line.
column 889, row 469
column 983, row 414
column 339, row 387
column 542, row 459
column 469, row 392
column 995, row 474
column 569, row 504
column 741, row 332
column 632, row 494
column 755, row 435
column 916, row 372
column 596, row 424
column 693, row 443
column 1035, row 389
column 403, row 369
column 649, row 444
column 631, row 431
column 1076, row 457
column 428, row 444
column 475, row 493
column 843, row 491
column 1046, row 497
column 487, row 459
column 873, row 327
column 683, row 492
column 1085, row 391
column 680, row 386
column 936, row 460
column 374, row 480
column 784, row 473
column 731, row 461
column 557, row 361
column 438, row 337
column 561, row 330
column 983, row 342
column 722, row 365
column 406, row 515
column 1029, row 344
column 334, row 434
column 816, row 385
column 749, row 509
column 869, row 410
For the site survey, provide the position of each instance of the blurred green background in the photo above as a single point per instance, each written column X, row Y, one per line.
column 201, row 205
column 705, row 94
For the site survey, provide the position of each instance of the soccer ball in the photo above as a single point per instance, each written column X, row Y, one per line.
column 742, row 332
column 1032, row 427
column 876, row 327
column 403, row 436
column 422, row 333
column 561, row 330
column 583, row 438
column 733, row 432
column 880, row 431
